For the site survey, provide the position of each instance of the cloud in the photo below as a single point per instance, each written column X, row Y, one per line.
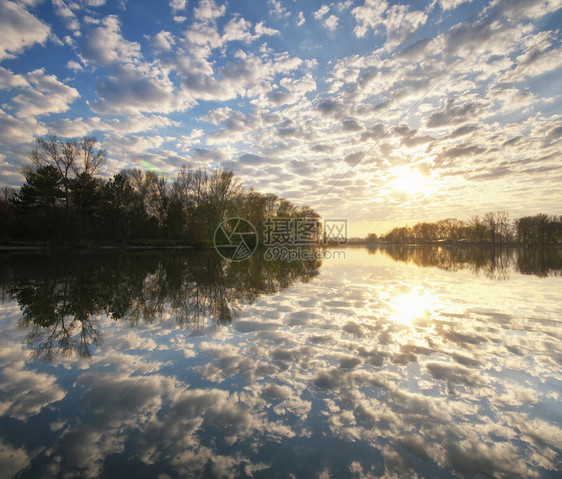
column 452, row 4
column 329, row 107
column 16, row 130
column 453, row 115
column 278, row 9
column 469, row 39
column 538, row 58
column 401, row 22
column 251, row 159
column 19, row 30
column 351, row 124
column 323, row 10
column 9, row 80
column 239, row 29
column 208, row 11
column 177, row 5
column 553, row 136
column 369, row 16
column 105, row 45
column 460, row 150
column 260, row 29
column 46, row 95
column 12, row 459
column 136, row 85
column 525, row 9
column 331, row 22
column 495, row 67
column 463, row 130
column 397, row 21
column 164, row 41
column 67, row 15
column 74, row 65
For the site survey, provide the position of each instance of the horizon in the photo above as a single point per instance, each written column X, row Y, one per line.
column 383, row 115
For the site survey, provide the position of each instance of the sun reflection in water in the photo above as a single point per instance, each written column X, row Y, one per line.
column 406, row 308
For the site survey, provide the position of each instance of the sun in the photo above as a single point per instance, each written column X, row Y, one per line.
column 409, row 180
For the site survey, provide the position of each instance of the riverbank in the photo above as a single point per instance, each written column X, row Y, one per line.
column 89, row 246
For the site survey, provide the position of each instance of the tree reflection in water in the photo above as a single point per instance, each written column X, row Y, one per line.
column 492, row 263
column 61, row 295
column 439, row 375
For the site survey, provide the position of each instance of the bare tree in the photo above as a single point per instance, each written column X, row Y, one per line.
column 53, row 151
column 223, row 187
column 91, row 158
column 72, row 158
column 8, row 193
column 490, row 222
column 144, row 185
column 181, row 186
column 159, row 199
column 503, row 226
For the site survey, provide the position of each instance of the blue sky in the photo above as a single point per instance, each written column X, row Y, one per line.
column 447, row 108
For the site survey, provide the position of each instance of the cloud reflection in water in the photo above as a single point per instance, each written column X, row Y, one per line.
column 291, row 383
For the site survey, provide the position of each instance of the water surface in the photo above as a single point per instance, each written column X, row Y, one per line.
column 388, row 362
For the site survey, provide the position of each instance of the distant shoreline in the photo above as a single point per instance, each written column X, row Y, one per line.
column 50, row 247
column 47, row 247
column 459, row 244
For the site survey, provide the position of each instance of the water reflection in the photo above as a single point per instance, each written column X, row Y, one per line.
column 61, row 295
column 493, row 263
column 440, row 373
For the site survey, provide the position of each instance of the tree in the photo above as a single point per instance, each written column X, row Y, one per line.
column 119, row 202
column 401, row 234
column 71, row 158
column 424, row 232
column 7, row 212
column 38, row 200
column 179, row 203
column 90, row 157
column 504, row 228
column 477, row 231
column 540, row 229
column 63, row 194
column 223, row 189
column 491, row 225
column 86, row 191
column 252, row 206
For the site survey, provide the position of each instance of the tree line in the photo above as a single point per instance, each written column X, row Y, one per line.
column 63, row 198
column 494, row 228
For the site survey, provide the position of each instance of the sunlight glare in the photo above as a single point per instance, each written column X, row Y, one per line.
column 411, row 306
column 410, row 180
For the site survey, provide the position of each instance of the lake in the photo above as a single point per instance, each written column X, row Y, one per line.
column 390, row 362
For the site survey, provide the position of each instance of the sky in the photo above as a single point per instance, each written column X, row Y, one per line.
column 378, row 112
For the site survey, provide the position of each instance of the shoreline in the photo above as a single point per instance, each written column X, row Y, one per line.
column 91, row 247
column 49, row 247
